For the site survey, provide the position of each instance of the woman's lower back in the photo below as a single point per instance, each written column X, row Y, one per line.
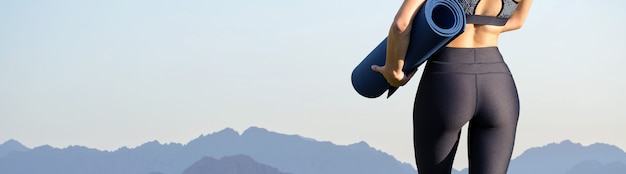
column 477, row 36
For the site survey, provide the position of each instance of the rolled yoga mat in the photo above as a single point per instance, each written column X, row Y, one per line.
column 436, row 23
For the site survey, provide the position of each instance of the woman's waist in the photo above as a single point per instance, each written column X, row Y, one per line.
column 467, row 60
column 468, row 55
column 466, row 68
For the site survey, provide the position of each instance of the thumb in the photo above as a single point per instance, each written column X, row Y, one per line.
column 376, row 68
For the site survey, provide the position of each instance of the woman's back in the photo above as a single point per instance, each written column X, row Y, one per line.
column 486, row 20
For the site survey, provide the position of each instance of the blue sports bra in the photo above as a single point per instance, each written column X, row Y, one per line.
column 506, row 10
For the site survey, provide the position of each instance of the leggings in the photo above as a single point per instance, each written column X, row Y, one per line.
column 462, row 85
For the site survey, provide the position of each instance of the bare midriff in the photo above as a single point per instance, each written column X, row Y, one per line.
column 476, row 36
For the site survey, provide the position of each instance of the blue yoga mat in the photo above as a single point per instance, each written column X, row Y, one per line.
column 436, row 23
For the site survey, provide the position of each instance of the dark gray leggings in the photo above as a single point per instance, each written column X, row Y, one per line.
column 461, row 85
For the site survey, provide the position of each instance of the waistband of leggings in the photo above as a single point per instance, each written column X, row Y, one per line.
column 468, row 55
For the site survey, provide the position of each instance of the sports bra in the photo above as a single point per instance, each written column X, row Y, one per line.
column 469, row 7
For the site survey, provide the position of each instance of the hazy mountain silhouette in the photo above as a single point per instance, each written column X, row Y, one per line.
column 11, row 146
column 569, row 158
column 288, row 153
column 238, row 164
column 285, row 153
column 296, row 154
column 562, row 157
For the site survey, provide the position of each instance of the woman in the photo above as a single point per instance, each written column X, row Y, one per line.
column 467, row 81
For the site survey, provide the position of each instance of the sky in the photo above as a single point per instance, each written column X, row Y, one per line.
column 112, row 73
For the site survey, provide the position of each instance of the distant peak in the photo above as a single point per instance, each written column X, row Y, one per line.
column 154, row 142
column 45, row 147
column 594, row 145
column 568, row 142
column 255, row 130
column 230, row 164
column 607, row 146
column 151, row 143
column 227, row 131
column 362, row 145
column 11, row 146
column 600, row 144
column 237, row 157
column 11, row 142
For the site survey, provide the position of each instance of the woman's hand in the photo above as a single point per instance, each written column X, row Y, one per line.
column 395, row 78
column 398, row 43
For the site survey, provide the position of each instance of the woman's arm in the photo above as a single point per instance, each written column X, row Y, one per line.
column 398, row 43
column 519, row 16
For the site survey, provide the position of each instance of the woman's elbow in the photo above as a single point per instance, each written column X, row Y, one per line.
column 513, row 26
column 516, row 27
column 400, row 28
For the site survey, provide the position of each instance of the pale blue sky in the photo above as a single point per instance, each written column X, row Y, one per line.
column 113, row 73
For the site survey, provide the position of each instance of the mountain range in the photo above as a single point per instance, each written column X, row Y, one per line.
column 259, row 151
column 568, row 157
column 288, row 153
